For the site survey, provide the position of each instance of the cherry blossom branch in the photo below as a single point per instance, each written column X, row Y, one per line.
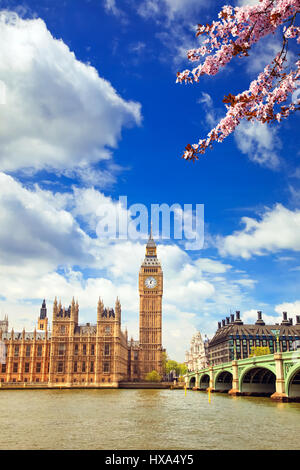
column 272, row 87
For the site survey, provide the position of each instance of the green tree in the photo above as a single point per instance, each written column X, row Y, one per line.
column 181, row 369
column 164, row 362
column 171, row 365
column 177, row 367
column 153, row 376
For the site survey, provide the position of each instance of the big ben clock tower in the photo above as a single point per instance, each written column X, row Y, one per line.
column 151, row 291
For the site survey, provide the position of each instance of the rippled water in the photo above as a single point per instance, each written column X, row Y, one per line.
column 144, row 419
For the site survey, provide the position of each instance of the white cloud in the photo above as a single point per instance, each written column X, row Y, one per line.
column 296, row 173
column 149, row 8
column 246, row 282
column 247, row 2
column 181, row 7
column 170, row 8
column 295, row 195
column 110, row 6
column 207, row 265
column 177, row 20
column 91, row 176
column 206, row 99
column 293, row 308
column 48, row 248
column 284, row 258
column 177, row 41
column 259, row 142
column 137, row 47
column 59, row 113
column 210, row 113
column 250, row 317
column 277, row 230
column 35, row 226
column 262, row 54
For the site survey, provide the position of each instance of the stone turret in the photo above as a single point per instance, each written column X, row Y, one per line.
column 4, row 324
column 100, row 309
column 74, row 311
column 59, row 309
column 118, row 310
column 55, row 308
column 43, row 319
column 77, row 310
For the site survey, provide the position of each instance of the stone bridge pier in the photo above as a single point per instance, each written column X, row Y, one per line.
column 280, row 393
column 235, row 380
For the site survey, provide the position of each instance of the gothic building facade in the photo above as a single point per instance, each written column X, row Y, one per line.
column 99, row 355
column 236, row 340
column 197, row 356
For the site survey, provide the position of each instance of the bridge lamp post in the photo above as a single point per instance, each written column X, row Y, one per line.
column 276, row 334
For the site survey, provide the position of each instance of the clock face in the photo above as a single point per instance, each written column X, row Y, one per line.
column 150, row 282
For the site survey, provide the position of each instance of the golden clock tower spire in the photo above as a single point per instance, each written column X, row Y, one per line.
column 151, row 291
column 151, row 246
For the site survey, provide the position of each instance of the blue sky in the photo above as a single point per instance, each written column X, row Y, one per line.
column 93, row 112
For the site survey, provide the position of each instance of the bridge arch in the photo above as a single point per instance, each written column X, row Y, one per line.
column 293, row 383
column 192, row 382
column 259, row 380
column 204, row 382
column 223, row 381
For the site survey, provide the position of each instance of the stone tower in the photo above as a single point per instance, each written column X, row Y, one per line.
column 151, row 291
column 108, row 349
column 43, row 319
column 4, row 324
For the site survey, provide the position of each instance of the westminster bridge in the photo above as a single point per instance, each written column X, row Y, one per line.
column 275, row 375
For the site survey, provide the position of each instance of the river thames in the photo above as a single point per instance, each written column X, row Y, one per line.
column 144, row 419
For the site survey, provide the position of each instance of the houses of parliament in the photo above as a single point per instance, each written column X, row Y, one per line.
column 100, row 355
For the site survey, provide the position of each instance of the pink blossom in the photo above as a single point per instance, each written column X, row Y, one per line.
column 233, row 35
